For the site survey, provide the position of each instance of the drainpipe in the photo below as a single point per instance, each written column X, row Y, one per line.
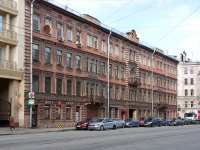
column 108, row 73
column 31, row 60
column 152, row 113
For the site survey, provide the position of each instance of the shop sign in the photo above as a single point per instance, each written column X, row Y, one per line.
column 114, row 106
column 69, row 103
column 48, row 102
column 31, row 95
column 30, row 102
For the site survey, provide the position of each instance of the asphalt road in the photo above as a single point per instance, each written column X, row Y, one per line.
column 148, row 138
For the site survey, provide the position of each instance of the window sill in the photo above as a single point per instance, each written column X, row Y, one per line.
column 36, row 30
column 78, row 69
column 59, row 66
column 116, row 78
column 48, row 34
column 96, row 49
column 49, row 64
column 70, row 68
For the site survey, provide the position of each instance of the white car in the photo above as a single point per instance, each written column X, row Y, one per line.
column 119, row 122
column 102, row 124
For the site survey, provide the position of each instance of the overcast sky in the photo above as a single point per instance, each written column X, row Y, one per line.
column 171, row 25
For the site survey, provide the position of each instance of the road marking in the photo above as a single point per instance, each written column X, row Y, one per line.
column 13, row 138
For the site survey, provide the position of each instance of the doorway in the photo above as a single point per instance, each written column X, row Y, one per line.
column 77, row 114
column 34, row 116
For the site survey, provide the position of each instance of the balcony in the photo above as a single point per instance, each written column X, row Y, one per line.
column 9, row 37
column 162, row 105
column 94, row 99
column 8, row 69
column 9, row 6
column 134, row 81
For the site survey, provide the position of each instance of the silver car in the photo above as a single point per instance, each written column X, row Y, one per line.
column 119, row 122
column 102, row 124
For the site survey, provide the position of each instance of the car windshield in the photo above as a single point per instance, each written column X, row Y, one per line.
column 189, row 115
column 129, row 119
column 98, row 120
column 86, row 119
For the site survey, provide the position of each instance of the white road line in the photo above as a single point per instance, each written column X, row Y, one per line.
column 13, row 138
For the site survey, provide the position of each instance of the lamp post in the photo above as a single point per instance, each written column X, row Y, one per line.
column 152, row 111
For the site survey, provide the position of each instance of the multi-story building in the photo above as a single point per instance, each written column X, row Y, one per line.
column 71, row 69
column 11, row 62
column 188, row 85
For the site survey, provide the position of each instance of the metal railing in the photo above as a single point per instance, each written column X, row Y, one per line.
column 8, row 34
column 8, row 64
column 9, row 3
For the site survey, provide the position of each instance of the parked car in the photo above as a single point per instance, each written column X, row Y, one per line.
column 102, row 124
column 151, row 122
column 167, row 122
column 177, row 122
column 83, row 124
column 186, row 121
column 131, row 122
column 119, row 122
column 141, row 121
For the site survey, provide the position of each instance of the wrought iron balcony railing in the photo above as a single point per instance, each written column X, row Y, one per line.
column 9, row 3
column 8, row 64
column 134, row 80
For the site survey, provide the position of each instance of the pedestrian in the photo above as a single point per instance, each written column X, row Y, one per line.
column 11, row 123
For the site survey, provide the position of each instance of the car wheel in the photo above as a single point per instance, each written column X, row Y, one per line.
column 123, row 125
column 131, row 126
column 160, row 125
column 91, row 130
column 152, row 125
column 101, row 128
column 114, row 127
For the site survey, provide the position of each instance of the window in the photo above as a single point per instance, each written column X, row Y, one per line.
column 69, row 60
column 59, row 86
column 87, row 89
column 68, row 112
column 35, row 52
column 59, row 30
column 116, row 50
column 122, row 72
column 192, row 92
column 59, row 57
column 89, row 40
column 0, row 52
column 110, row 48
column 110, row 92
column 192, row 104
column 192, row 81
column 164, row 83
column 185, row 82
column 160, row 65
column 103, row 68
column 116, row 93
column 46, row 112
column 78, row 37
column 78, row 88
column 47, row 21
column 91, row 65
column 96, row 66
column 185, row 71
column 149, row 62
column 69, row 34
column 35, row 84
column 185, row 104
column 103, row 46
column 122, row 52
column 69, row 87
column 149, row 79
column 164, row 67
column 92, row 89
column 186, row 92
column 144, row 78
column 95, row 42
column 122, row 94
column 145, row 60
column 47, row 55
column 35, row 22
column 78, row 62
column 140, row 58
column 116, row 71
column 47, row 84
column 58, row 110
column 110, row 70
column 149, row 97
column 191, row 70
column 97, row 91
column 103, row 91
column 87, row 64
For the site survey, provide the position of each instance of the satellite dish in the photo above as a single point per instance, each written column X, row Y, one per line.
column 47, row 29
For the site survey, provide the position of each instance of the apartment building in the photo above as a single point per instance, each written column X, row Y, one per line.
column 11, row 62
column 188, row 85
column 71, row 70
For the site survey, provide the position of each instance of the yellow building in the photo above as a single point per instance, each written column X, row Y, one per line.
column 11, row 61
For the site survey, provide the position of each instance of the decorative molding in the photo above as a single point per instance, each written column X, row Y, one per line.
column 48, row 74
column 59, row 75
column 69, row 77
column 37, row 72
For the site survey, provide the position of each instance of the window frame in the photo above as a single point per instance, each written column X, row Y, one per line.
column 47, row 55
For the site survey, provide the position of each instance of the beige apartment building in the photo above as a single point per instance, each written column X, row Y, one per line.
column 11, row 61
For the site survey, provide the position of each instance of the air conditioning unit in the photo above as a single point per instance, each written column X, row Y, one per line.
column 60, row 38
column 78, row 44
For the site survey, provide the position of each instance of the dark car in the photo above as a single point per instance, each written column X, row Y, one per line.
column 177, row 122
column 141, row 121
column 167, row 122
column 151, row 122
column 83, row 124
column 186, row 121
column 131, row 122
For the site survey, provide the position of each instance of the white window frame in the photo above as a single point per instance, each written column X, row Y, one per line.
column 140, row 58
column 69, row 33
column 116, row 50
column 103, row 46
column 35, row 21
column 95, row 42
column 59, row 27
column 89, row 40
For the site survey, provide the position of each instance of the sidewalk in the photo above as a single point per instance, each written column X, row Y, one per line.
column 6, row 130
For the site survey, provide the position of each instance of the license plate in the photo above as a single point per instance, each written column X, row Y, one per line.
column 78, row 126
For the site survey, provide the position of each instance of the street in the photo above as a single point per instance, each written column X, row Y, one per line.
column 156, row 138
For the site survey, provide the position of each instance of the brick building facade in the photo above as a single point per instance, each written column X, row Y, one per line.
column 70, row 70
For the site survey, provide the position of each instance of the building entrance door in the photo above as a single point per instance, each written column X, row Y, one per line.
column 5, row 112
column 34, row 116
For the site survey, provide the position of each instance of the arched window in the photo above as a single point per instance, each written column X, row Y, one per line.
column 186, row 92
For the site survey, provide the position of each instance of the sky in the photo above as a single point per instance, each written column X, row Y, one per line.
column 170, row 25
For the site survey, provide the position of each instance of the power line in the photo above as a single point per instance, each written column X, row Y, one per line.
column 177, row 25
column 90, row 6
column 118, row 10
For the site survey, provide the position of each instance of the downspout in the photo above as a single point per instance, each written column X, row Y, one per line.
column 108, row 111
column 31, row 60
column 152, row 111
